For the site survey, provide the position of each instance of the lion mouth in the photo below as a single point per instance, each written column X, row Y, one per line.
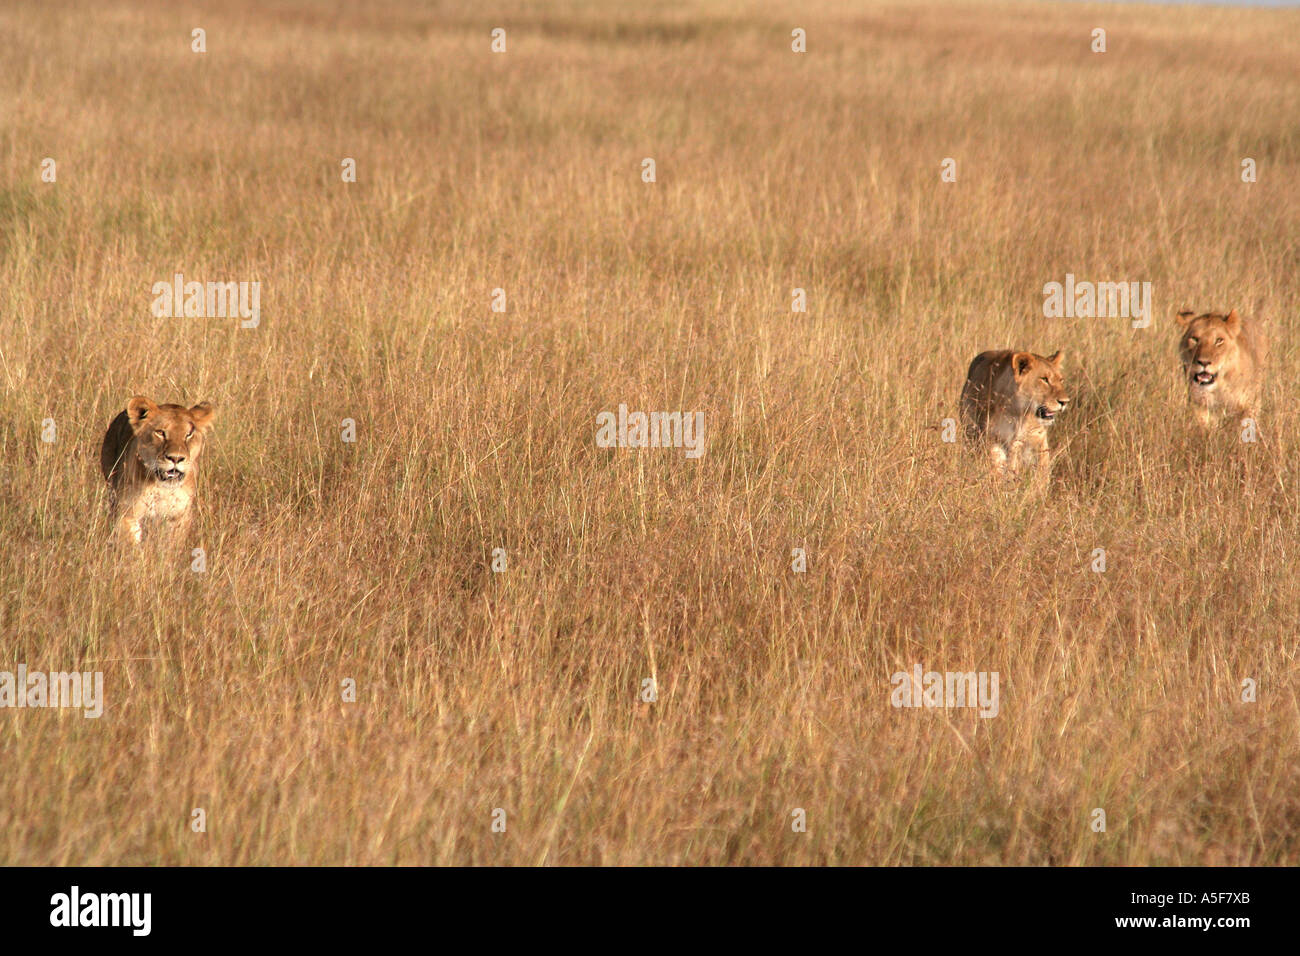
column 1046, row 414
column 171, row 474
column 1205, row 379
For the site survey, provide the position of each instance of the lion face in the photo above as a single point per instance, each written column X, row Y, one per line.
column 1210, row 347
column 1040, row 385
column 168, row 438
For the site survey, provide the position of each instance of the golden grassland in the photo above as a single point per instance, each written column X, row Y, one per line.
column 520, row 690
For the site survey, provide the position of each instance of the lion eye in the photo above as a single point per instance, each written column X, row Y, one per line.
column 160, row 433
column 1047, row 380
column 189, row 434
column 1219, row 340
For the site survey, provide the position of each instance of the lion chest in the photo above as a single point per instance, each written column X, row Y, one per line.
column 158, row 503
column 1019, row 431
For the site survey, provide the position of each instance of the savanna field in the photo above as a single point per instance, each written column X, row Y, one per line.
column 522, row 690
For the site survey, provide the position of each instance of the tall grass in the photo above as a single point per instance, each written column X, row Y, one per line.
column 521, row 690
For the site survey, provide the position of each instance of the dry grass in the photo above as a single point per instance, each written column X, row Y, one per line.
column 476, row 430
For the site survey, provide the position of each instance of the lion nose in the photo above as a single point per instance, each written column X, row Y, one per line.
column 175, row 457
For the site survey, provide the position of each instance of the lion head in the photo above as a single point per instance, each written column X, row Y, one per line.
column 1211, row 347
column 1039, row 384
column 168, row 438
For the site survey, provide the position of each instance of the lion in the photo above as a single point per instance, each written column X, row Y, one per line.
column 149, row 459
column 1222, row 362
column 1009, row 401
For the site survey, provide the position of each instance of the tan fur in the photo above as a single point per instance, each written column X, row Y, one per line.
column 149, row 459
column 1009, row 401
column 1229, row 350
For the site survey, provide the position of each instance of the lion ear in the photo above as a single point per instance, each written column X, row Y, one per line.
column 203, row 413
column 1021, row 363
column 1185, row 317
column 1057, row 357
column 139, row 408
column 1232, row 320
